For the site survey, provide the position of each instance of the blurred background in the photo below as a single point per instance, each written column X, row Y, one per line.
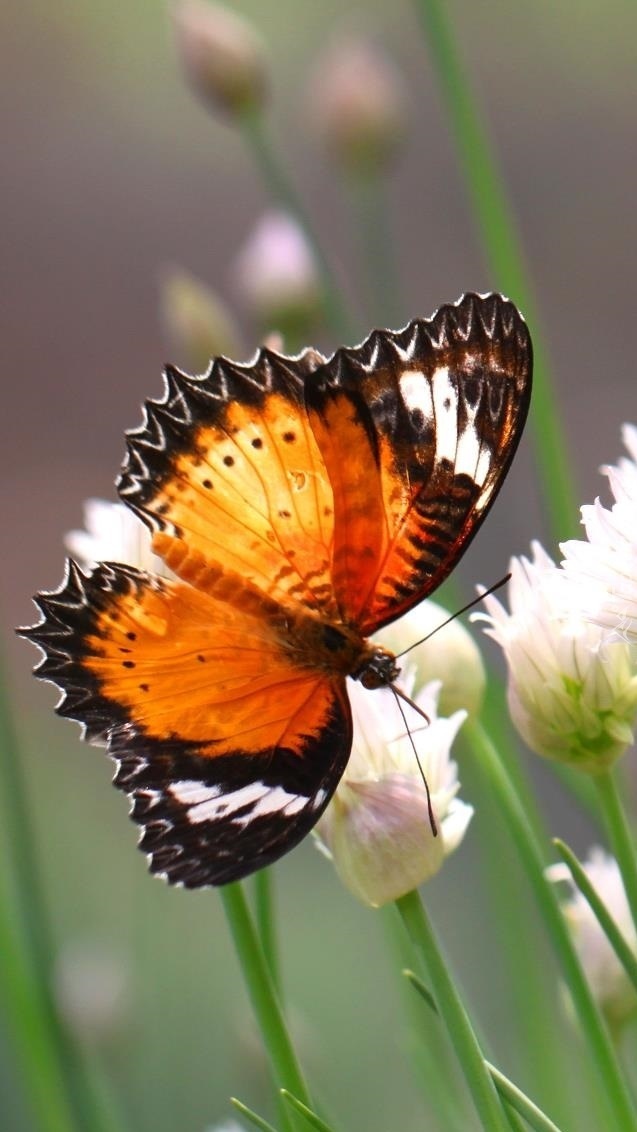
column 115, row 174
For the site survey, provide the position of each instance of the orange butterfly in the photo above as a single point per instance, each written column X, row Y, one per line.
column 301, row 504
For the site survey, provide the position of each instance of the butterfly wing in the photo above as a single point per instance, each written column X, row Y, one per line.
column 226, row 470
column 417, row 430
column 228, row 749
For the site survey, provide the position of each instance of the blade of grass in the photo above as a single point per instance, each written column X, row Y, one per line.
column 252, row 1116
column 311, row 1117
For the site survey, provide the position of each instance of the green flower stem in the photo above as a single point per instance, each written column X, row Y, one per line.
column 619, row 945
column 432, row 1061
column 614, row 1090
column 507, row 1090
column 23, row 903
column 619, row 834
column 368, row 193
column 454, row 1015
column 260, row 986
column 284, row 194
column 34, row 1037
column 265, row 922
column 504, row 254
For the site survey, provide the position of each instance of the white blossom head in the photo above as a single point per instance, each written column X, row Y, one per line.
column 603, row 570
column 572, row 692
column 376, row 829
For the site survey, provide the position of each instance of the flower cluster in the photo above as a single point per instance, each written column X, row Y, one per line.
column 572, row 685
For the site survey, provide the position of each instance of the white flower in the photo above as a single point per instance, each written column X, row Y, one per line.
column 114, row 534
column 609, row 982
column 450, row 656
column 572, row 692
column 377, row 829
column 603, row 571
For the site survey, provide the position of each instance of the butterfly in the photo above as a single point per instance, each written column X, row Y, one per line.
column 300, row 504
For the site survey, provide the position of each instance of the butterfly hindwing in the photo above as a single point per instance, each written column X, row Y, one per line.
column 228, row 750
column 438, row 408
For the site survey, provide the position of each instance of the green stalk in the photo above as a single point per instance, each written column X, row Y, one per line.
column 614, row 1090
column 260, row 986
column 432, row 1061
column 282, row 191
column 502, row 247
column 509, row 1092
column 264, row 917
column 25, row 905
column 454, row 1015
column 379, row 271
column 252, row 1116
column 619, row 834
column 614, row 936
column 34, row 1038
column 310, row 1117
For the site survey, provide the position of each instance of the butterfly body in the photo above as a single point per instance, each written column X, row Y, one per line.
column 298, row 504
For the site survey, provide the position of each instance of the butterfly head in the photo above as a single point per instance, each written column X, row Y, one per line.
column 378, row 668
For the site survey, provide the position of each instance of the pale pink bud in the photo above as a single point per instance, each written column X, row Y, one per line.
column 222, row 55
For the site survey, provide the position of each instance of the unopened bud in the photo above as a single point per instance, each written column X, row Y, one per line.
column 198, row 323
column 358, row 102
column 222, row 55
column 276, row 275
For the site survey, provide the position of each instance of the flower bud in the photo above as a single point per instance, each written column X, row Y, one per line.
column 377, row 829
column 222, row 55
column 276, row 275
column 198, row 323
column 607, row 978
column 358, row 103
column 450, row 656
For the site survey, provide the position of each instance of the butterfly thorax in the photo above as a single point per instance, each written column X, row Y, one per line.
column 340, row 649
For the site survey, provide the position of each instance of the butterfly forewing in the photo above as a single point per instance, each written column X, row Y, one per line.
column 440, row 409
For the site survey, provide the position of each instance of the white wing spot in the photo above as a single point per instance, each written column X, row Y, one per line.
column 209, row 803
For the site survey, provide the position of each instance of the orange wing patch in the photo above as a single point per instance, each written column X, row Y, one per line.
column 238, row 479
column 180, row 666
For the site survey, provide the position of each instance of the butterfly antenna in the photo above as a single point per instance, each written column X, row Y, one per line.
column 503, row 581
column 398, row 696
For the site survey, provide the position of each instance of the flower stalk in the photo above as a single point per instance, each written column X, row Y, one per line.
column 455, row 1018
